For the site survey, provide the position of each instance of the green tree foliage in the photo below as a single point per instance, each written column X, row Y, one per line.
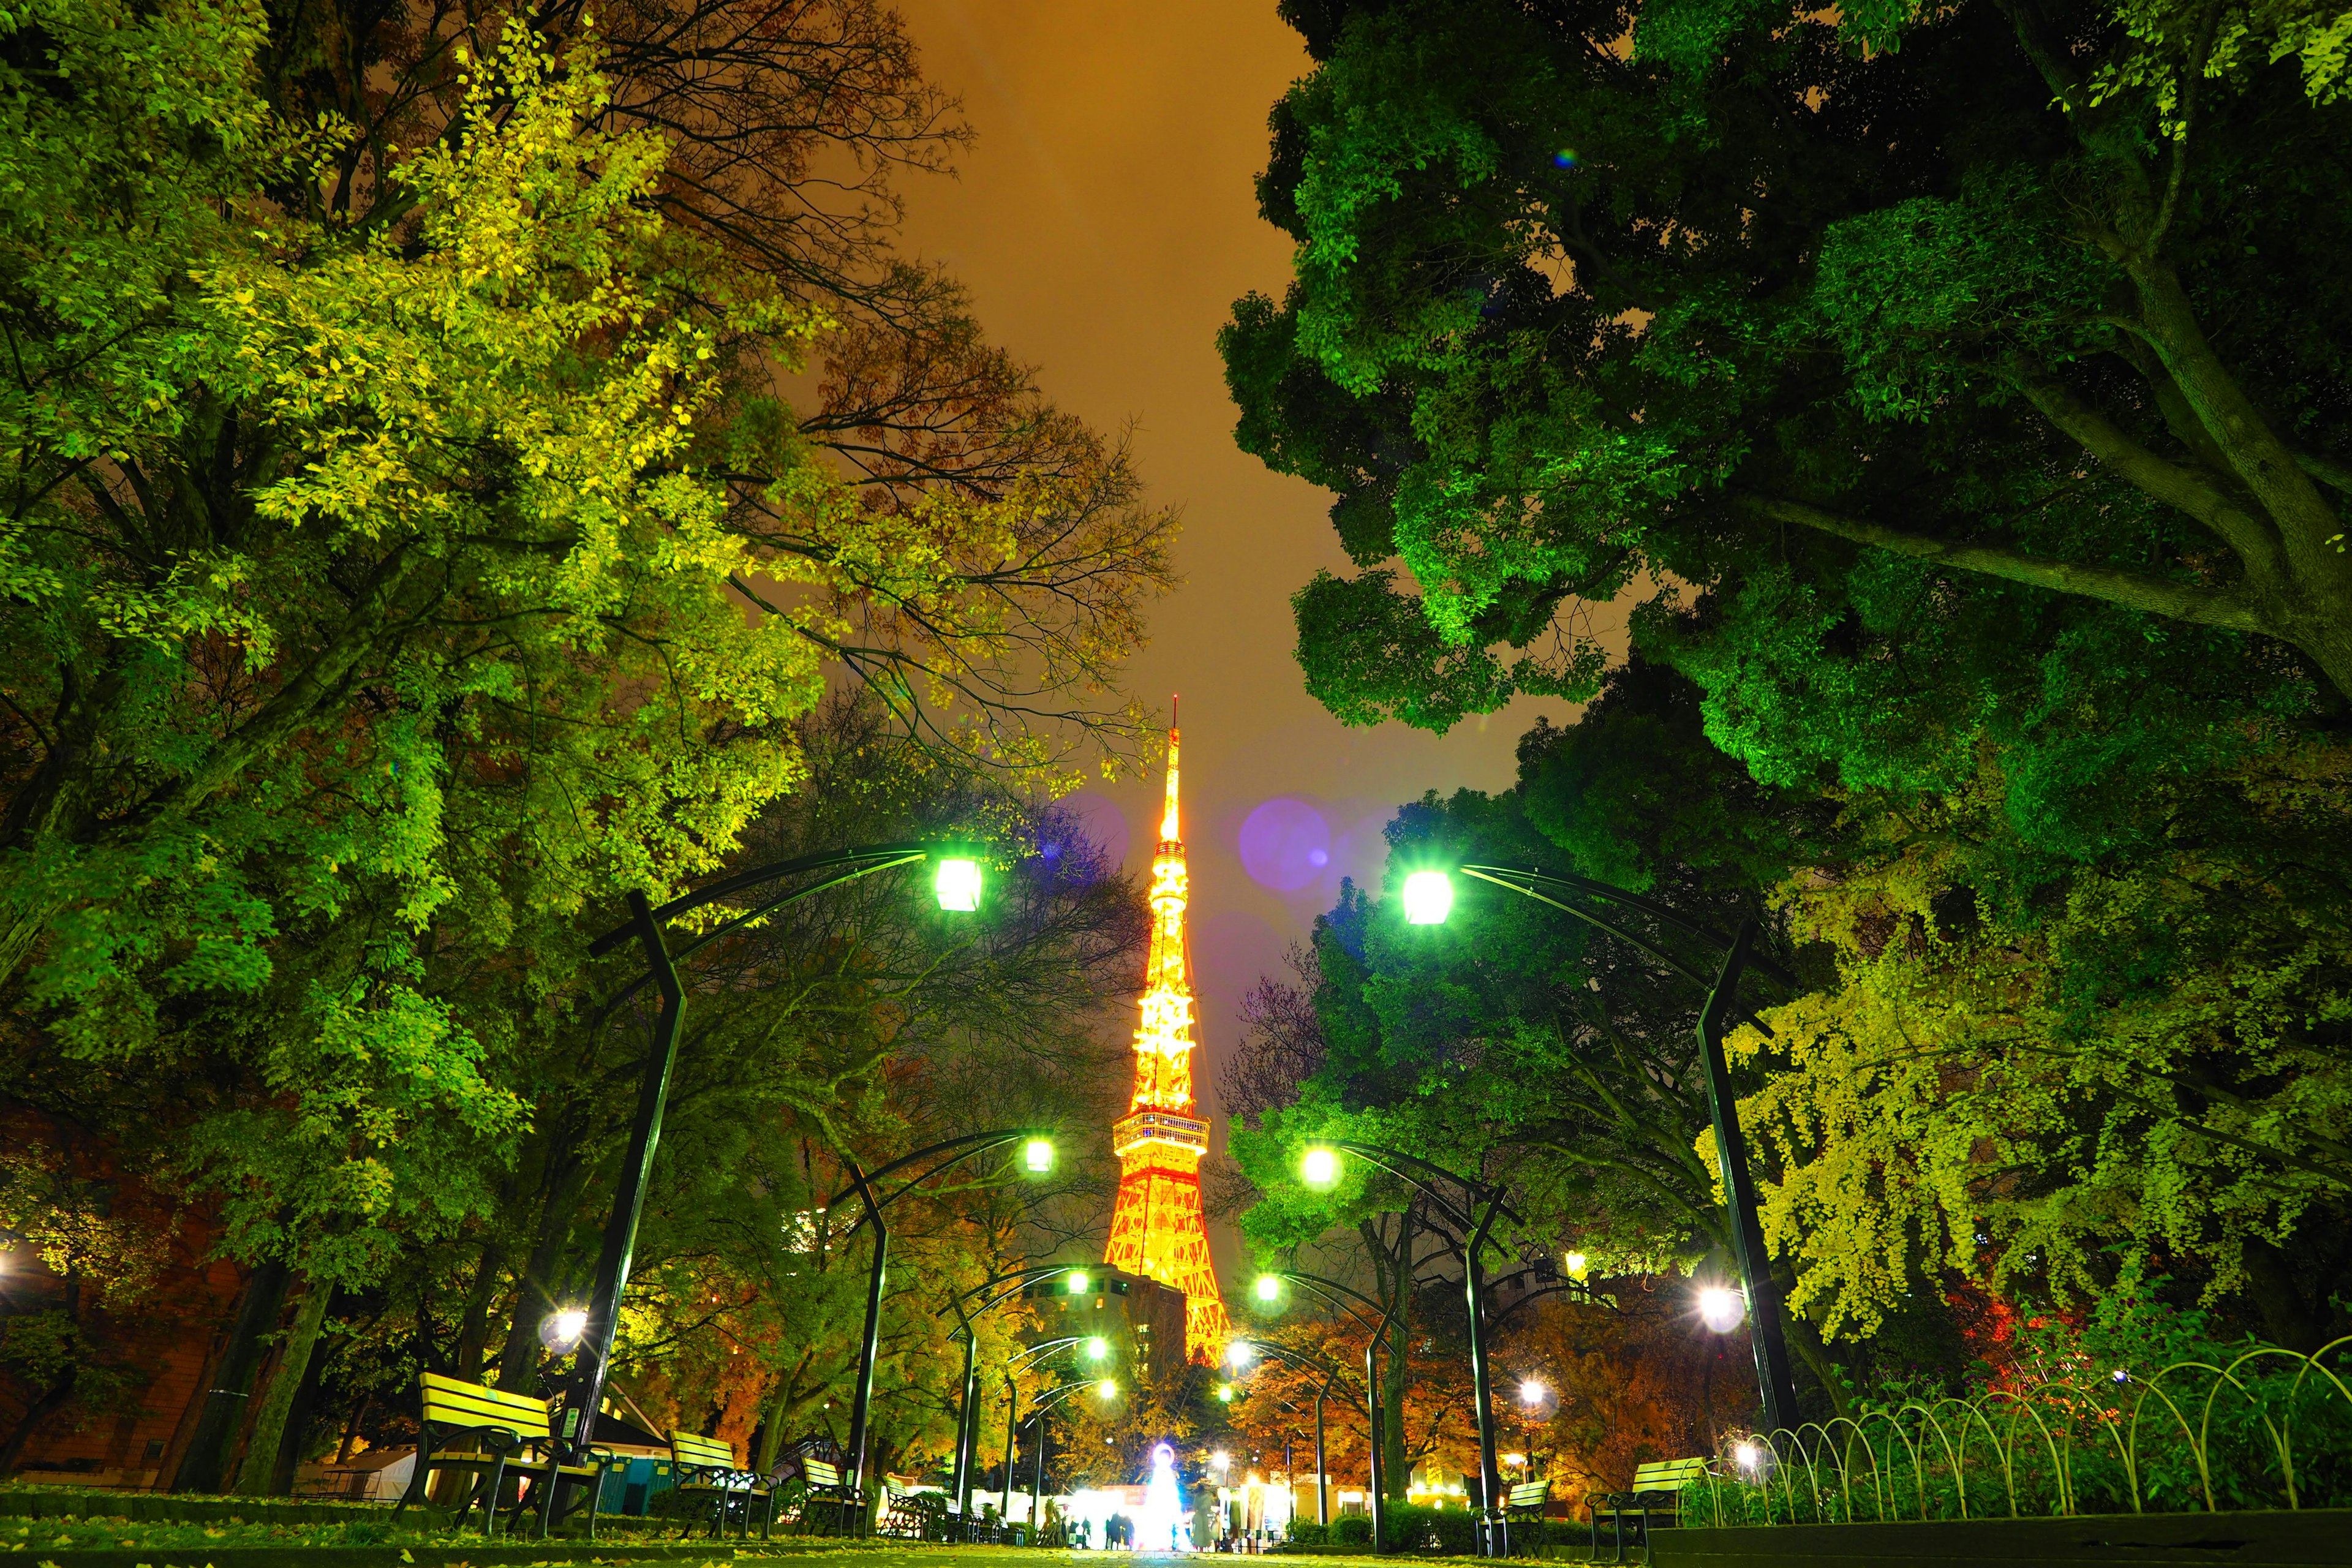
column 411, row 544
column 1592, row 296
column 1952, row 383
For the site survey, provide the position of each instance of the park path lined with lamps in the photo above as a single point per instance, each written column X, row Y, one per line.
column 1428, row 897
column 956, row 885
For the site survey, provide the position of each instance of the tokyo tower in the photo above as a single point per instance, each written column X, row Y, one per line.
column 1157, row 1229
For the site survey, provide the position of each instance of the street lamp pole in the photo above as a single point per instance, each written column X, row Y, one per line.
column 1474, row 1226
column 968, row 1415
column 1722, row 1009
column 1039, row 1409
column 1012, row 1403
column 866, row 1185
column 1375, row 1418
column 1285, row 1354
column 647, row 927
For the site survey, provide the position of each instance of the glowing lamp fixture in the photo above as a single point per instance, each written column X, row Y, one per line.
column 1532, row 1391
column 1269, row 1288
column 1098, row 1348
column 1577, row 1264
column 559, row 1331
column 1224, row 1394
column 1749, row 1456
column 1106, row 1389
column 1037, row 1156
column 1428, row 897
column 958, row 886
column 1077, row 1282
column 1319, row 1167
column 1721, row 1309
column 1220, row 1460
column 1238, row 1355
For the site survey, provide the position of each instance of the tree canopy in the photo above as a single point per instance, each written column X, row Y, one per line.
column 1593, row 297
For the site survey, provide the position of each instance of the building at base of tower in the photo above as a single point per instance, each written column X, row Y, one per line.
column 1157, row 1228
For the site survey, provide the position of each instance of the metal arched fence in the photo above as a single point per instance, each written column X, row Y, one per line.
column 2270, row 1429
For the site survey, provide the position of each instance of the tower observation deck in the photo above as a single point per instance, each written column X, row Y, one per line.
column 1157, row 1228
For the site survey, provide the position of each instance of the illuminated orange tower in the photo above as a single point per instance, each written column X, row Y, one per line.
column 1157, row 1228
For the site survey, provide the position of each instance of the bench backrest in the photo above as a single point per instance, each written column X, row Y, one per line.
column 1667, row 1475
column 701, row 1453
column 1528, row 1494
column 468, row 1406
column 821, row 1472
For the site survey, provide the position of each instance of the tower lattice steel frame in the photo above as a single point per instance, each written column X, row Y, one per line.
column 1157, row 1228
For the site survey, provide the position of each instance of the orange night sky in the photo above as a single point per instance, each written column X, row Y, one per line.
column 1105, row 221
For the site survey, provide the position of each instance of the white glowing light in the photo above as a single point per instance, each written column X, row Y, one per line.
column 1721, row 1310
column 1749, row 1456
column 1428, row 897
column 958, row 886
column 1238, row 1355
column 561, row 1330
column 1320, row 1167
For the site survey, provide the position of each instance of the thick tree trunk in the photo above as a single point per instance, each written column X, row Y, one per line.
column 253, row 1477
column 225, row 1401
column 298, row 1425
column 772, row 1434
column 47, row 1404
column 1800, row 1335
column 534, row 1296
column 474, row 1321
column 2287, row 1314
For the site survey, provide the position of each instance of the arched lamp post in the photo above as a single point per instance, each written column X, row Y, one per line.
column 1268, row 1348
column 1472, row 1206
column 1013, row 1364
column 1104, row 1388
column 1429, row 899
column 1005, row 1287
column 956, row 884
column 1036, row 1159
column 1376, row 1332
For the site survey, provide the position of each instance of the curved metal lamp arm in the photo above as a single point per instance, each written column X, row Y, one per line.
column 1616, row 895
column 1055, row 1395
column 1496, row 874
column 1014, row 1283
column 1331, row 1290
column 861, row 862
column 1294, row 1358
column 1565, row 1288
column 1475, row 1192
column 1048, row 1347
column 965, row 1147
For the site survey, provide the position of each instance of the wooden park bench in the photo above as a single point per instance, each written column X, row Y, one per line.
column 508, row 1426
column 822, row 1486
column 1657, row 1489
column 705, row 1465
